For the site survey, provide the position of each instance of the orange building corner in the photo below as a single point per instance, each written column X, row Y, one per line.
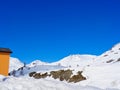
column 4, row 61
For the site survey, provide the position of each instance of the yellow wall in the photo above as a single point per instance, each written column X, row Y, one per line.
column 4, row 63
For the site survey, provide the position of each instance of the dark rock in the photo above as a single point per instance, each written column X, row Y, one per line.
column 31, row 74
column 37, row 75
column 109, row 61
column 118, row 60
column 77, row 78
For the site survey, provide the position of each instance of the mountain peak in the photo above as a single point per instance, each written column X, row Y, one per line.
column 15, row 63
column 75, row 60
column 110, row 56
column 116, row 47
column 37, row 62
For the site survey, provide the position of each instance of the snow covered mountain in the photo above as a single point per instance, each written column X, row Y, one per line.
column 110, row 56
column 101, row 73
column 76, row 60
column 36, row 63
column 15, row 64
column 105, row 70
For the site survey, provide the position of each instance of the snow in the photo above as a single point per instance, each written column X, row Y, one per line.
column 37, row 62
column 2, row 78
column 76, row 60
column 25, row 83
column 38, row 68
column 15, row 63
column 112, row 54
column 102, row 73
column 103, row 76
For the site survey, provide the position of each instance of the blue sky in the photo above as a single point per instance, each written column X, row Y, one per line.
column 52, row 29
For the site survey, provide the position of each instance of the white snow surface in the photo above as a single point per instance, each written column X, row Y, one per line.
column 37, row 62
column 76, row 60
column 111, row 55
column 26, row 83
column 15, row 63
column 102, row 73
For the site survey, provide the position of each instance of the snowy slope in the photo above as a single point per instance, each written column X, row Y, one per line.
column 110, row 56
column 26, row 83
column 15, row 64
column 103, row 76
column 76, row 60
column 36, row 63
column 105, row 70
column 39, row 68
column 102, row 73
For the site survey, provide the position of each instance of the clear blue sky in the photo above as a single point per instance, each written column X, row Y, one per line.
column 52, row 29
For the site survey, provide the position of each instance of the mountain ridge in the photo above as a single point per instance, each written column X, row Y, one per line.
column 100, row 73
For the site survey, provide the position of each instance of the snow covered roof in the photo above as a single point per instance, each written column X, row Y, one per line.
column 7, row 50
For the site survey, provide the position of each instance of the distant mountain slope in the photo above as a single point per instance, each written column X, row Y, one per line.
column 100, row 71
column 110, row 56
column 76, row 60
column 15, row 64
column 37, row 62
